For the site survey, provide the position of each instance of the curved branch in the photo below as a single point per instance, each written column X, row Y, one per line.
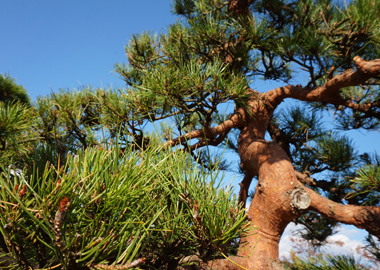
column 364, row 217
column 244, row 187
column 236, row 120
column 212, row 142
column 312, row 182
column 330, row 91
column 325, row 185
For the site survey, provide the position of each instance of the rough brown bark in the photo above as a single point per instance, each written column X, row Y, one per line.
column 280, row 196
column 364, row 217
column 240, row 7
column 330, row 91
column 271, row 209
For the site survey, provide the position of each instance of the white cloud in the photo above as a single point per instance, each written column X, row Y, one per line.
column 348, row 241
column 340, row 244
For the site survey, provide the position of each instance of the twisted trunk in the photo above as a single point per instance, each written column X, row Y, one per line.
column 271, row 209
column 280, row 197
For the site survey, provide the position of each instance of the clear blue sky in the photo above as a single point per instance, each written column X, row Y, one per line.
column 47, row 45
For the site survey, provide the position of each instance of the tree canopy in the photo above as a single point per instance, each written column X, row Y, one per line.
column 10, row 91
column 177, row 83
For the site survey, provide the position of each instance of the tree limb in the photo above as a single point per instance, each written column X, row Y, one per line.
column 330, row 91
column 364, row 217
column 326, row 186
column 236, row 120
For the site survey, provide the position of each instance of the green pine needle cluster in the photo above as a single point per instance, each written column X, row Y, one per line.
column 104, row 207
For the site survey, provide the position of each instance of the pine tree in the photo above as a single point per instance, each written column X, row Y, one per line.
column 10, row 91
column 181, row 79
column 15, row 119
column 214, row 54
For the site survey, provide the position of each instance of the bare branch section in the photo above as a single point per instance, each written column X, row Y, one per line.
column 364, row 217
column 214, row 134
column 325, row 185
column 330, row 91
column 240, row 7
column 312, row 182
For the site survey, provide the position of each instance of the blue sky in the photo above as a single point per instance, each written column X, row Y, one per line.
column 47, row 45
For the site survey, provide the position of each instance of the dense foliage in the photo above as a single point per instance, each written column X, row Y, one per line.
column 103, row 206
column 10, row 91
column 76, row 195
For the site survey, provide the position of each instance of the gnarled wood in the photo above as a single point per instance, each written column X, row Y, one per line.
column 330, row 91
column 364, row 217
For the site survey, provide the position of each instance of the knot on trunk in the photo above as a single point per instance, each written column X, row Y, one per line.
column 299, row 200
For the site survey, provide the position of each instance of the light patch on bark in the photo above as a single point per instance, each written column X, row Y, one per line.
column 299, row 200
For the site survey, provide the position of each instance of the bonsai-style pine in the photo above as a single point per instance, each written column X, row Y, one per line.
column 324, row 54
column 217, row 51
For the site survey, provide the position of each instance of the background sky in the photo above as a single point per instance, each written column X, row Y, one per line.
column 46, row 45
column 50, row 45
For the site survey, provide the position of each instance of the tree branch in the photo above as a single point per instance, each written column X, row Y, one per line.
column 326, row 186
column 330, row 91
column 364, row 217
column 240, row 7
column 236, row 120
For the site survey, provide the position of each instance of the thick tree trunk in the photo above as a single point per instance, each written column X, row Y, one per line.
column 279, row 196
column 278, row 200
column 270, row 209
